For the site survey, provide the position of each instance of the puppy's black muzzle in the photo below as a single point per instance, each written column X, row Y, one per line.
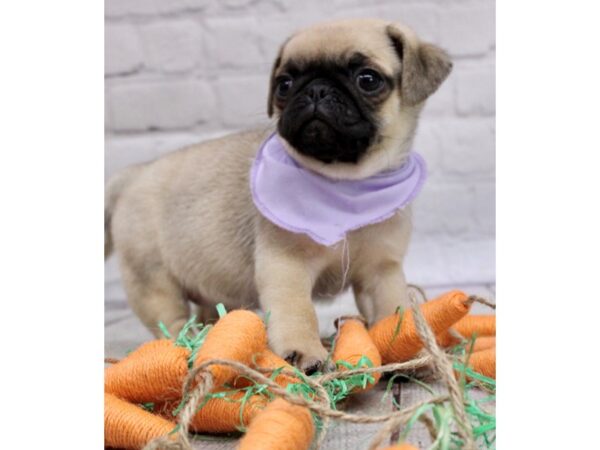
column 321, row 120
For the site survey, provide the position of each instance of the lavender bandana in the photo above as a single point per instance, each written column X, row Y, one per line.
column 301, row 201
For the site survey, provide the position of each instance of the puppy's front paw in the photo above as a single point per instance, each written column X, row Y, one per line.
column 308, row 356
column 308, row 361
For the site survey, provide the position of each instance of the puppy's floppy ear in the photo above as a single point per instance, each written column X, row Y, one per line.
column 424, row 66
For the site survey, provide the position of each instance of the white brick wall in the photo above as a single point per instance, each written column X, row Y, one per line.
column 181, row 71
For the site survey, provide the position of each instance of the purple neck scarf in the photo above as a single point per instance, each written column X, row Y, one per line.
column 301, row 201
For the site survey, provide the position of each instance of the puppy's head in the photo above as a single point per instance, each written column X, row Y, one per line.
column 347, row 94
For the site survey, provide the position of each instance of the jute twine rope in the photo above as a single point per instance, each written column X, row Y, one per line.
column 444, row 367
column 199, row 383
column 111, row 360
column 322, row 408
column 429, row 424
column 483, row 301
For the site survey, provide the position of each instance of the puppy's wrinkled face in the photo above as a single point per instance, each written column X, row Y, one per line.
column 345, row 92
column 329, row 108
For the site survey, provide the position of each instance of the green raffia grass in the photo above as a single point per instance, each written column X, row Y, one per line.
column 165, row 331
column 221, row 310
column 483, row 422
column 418, row 413
column 442, row 415
column 400, row 312
column 191, row 337
column 388, row 391
column 338, row 389
column 149, row 406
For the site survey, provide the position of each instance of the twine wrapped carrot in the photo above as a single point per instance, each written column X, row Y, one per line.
column 128, row 426
column 156, row 371
column 483, row 327
column 396, row 336
column 352, row 345
column 153, row 372
column 446, row 339
column 280, row 426
column 238, row 335
column 480, row 325
column 266, row 359
column 223, row 414
column 481, row 343
column 484, row 362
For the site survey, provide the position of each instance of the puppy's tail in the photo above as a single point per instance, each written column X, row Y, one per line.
column 112, row 192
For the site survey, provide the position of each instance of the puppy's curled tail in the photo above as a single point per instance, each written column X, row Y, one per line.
column 112, row 192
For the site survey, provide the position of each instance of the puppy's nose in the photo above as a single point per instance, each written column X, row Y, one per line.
column 318, row 92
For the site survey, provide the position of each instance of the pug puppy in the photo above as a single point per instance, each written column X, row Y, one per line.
column 346, row 97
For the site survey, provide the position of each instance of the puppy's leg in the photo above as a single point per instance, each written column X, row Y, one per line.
column 206, row 314
column 378, row 281
column 363, row 300
column 285, row 289
column 379, row 293
column 155, row 297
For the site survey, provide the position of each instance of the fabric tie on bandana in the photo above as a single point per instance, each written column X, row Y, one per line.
column 301, row 201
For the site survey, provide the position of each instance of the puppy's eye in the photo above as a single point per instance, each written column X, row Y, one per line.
column 284, row 84
column 368, row 80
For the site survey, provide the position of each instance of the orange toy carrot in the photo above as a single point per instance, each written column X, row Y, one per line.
column 220, row 415
column 266, row 359
column 130, row 427
column 153, row 372
column 483, row 343
column 237, row 336
column 397, row 338
column 484, row 362
column 353, row 342
column 280, row 426
column 445, row 339
column 480, row 325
